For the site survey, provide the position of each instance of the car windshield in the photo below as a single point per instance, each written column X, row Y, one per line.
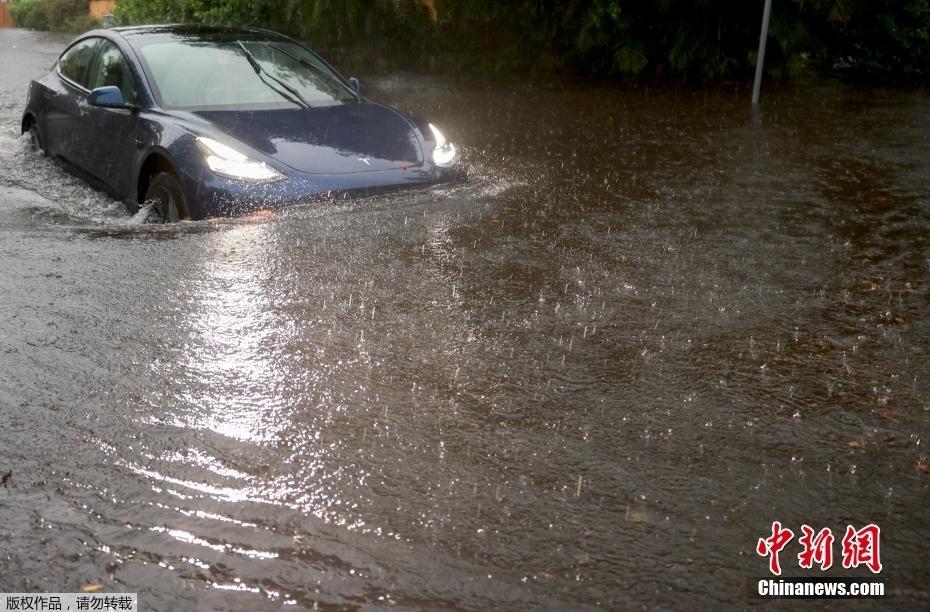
column 240, row 75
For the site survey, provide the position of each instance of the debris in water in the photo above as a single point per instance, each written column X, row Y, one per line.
column 896, row 442
column 545, row 574
column 640, row 516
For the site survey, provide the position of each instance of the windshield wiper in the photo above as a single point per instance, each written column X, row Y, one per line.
column 296, row 99
column 306, row 64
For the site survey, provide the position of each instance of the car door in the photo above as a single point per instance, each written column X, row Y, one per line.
column 66, row 102
column 112, row 131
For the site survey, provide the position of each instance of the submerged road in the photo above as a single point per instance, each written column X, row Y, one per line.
column 650, row 325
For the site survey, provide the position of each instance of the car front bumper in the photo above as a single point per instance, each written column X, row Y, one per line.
column 210, row 195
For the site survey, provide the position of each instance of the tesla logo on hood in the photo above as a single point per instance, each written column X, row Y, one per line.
column 365, row 160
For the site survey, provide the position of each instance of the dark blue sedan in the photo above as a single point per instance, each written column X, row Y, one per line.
column 197, row 121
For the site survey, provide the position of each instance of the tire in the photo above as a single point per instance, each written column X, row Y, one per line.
column 166, row 198
column 36, row 139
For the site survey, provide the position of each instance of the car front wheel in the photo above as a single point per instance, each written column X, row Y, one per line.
column 166, row 199
column 35, row 140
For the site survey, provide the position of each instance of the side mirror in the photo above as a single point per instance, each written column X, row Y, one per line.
column 108, row 97
column 357, row 85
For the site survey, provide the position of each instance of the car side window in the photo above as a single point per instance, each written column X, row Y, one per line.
column 112, row 68
column 74, row 62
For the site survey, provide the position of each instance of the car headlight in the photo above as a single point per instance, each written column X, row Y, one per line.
column 444, row 153
column 226, row 161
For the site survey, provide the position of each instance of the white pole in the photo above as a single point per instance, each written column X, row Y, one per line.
column 760, row 58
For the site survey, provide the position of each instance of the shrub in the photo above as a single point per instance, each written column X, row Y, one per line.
column 69, row 15
column 28, row 14
column 690, row 39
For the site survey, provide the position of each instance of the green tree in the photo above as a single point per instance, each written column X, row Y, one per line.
column 696, row 40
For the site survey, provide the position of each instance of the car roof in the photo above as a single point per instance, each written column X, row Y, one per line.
column 204, row 33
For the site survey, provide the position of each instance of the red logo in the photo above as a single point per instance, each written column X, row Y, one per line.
column 773, row 545
column 860, row 547
column 817, row 549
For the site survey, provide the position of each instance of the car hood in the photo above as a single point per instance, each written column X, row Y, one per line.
column 355, row 137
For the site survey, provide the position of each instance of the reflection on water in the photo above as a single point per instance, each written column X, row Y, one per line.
column 231, row 344
column 650, row 325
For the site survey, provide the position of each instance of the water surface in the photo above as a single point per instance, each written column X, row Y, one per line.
column 651, row 324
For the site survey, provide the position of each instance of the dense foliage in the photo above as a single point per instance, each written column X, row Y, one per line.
column 51, row 14
column 692, row 39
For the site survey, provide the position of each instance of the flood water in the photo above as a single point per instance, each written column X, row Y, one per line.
column 651, row 324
